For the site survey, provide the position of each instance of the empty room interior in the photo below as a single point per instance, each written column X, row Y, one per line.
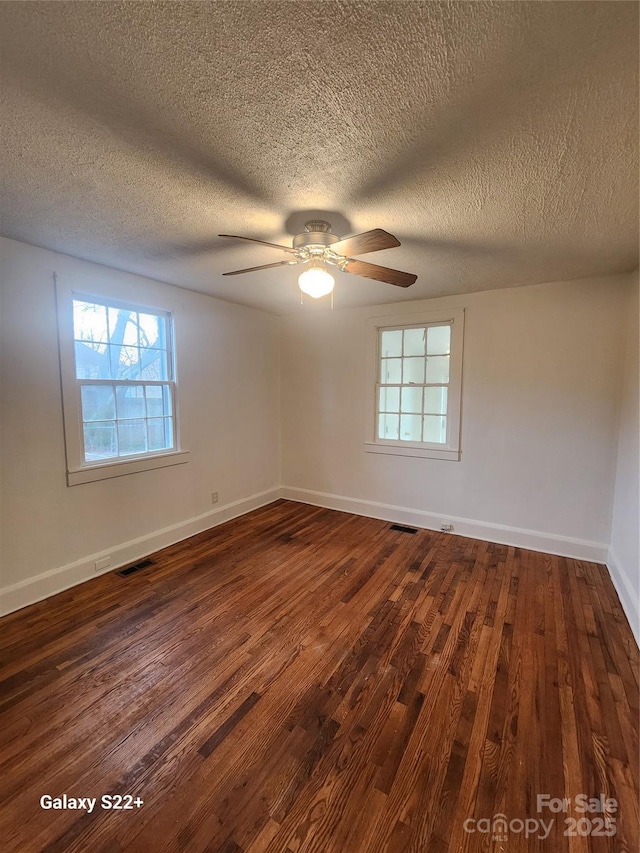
column 319, row 427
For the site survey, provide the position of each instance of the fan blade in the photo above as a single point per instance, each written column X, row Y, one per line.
column 263, row 267
column 370, row 241
column 262, row 242
column 389, row 276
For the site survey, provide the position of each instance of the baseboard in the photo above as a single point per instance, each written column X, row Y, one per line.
column 627, row 596
column 549, row 543
column 57, row 580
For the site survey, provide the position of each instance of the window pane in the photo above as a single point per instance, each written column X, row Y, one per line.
column 153, row 364
column 388, row 426
column 166, row 396
column 435, row 401
column 132, row 437
column 90, row 324
column 90, row 364
column 98, row 403
column 168, row 432
column 130, row 400
column 389, row 399
column 149, row 330
column 163, row 336
column 435, row 429
column 154, row 397
column 411, row 400
column 158, row 401
column 100, row 440
column 438, row 368
column 123, row 327
column 131, row 329
column 391, row 371
column 125, row 362
column 413, row 371
column 159, row 433
column 410, row 427
column 414, row 342
column 391, row 344
column 438, row 340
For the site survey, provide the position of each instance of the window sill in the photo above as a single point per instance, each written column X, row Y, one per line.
column 412, row 450
column 92, row 473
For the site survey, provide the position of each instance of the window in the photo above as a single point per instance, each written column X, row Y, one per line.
column 416, row 406
column 124, row 374
column 119, row 389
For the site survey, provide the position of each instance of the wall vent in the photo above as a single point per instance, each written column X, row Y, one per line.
column 135, row 568
column 404, row 529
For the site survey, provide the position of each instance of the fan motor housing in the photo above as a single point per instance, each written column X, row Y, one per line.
column 317, row 232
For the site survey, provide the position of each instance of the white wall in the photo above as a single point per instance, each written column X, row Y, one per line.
column 539, row 419
column 228, row 373
column 624, row 558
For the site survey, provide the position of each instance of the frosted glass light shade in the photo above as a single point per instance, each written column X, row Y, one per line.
column 316, row 282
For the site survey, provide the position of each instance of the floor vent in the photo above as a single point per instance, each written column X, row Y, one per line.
column 404, row 529
column 135, row 568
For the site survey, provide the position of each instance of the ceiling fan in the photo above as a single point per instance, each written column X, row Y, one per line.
column 317, row 247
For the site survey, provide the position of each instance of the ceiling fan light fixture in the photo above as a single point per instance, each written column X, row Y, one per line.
column 315, row 281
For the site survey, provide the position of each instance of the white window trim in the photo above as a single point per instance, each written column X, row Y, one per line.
column 78, row 471
column 449, row 451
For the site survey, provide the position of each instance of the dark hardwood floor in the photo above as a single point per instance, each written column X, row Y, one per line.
column 306, row 680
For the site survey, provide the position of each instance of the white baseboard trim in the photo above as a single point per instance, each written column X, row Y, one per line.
column 627, row 596
column 49, row 583
column 550, row 543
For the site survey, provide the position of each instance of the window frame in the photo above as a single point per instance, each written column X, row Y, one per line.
column 450, row 450
column 78, row 470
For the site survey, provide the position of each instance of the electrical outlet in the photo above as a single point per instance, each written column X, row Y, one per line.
column 104, row 563
column 214, row 497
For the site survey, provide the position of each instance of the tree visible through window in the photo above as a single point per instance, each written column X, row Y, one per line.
column 124, row 375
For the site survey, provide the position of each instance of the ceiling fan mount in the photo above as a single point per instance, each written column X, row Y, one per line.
column 317, row 246
column 317, row 225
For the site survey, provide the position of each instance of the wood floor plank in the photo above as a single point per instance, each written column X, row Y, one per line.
column 302, row 680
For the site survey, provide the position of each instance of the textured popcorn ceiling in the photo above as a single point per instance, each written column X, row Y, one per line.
column 497, row 141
